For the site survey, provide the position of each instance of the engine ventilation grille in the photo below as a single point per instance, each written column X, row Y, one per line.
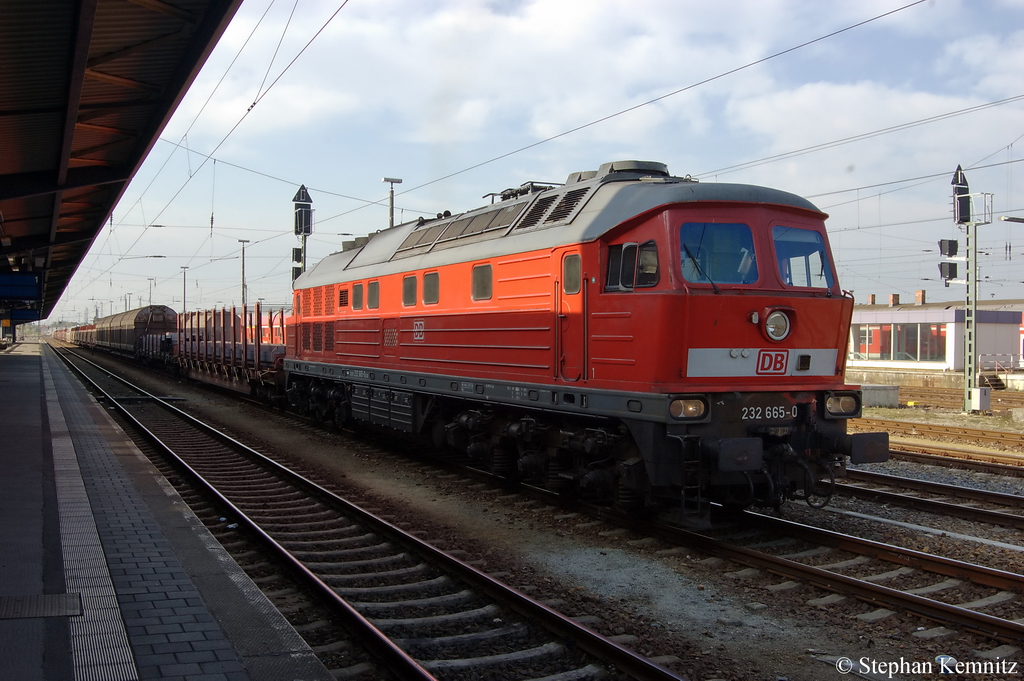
column 318, row 337
column 534, row 215
column 565, row 207
column 328, row 300
column 318, row 301
column 328, row 336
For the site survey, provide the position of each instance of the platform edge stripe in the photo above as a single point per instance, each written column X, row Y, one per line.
column 99, row 642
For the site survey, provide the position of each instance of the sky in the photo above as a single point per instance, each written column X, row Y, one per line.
column 866, row 108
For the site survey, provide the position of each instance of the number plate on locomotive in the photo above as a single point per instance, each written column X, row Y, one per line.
column 762, row 412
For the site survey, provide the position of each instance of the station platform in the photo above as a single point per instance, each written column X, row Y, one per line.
column 105, row 574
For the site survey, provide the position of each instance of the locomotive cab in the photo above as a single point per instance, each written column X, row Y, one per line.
column 746, row 297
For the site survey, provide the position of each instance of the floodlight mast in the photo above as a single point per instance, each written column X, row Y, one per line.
column 391, row 199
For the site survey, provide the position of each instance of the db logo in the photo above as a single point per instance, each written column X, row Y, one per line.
column 772, row 362
column 418, row 330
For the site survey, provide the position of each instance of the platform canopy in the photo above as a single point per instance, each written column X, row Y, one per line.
column 86, row 87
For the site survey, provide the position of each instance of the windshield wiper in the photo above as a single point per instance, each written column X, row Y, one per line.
column 700, row 270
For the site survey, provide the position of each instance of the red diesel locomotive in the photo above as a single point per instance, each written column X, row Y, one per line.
column 629, row 337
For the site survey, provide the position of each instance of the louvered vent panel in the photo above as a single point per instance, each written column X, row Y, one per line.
column 328, row 300
column 328, row 336
column 343, row 298
column 537, row 212
column 318, row 337
column 565, row 207
column 306, row 335
column 318, row 301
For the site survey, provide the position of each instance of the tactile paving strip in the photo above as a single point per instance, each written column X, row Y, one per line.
column 99, row 643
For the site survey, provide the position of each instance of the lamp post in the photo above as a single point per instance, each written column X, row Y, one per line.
column 184, row 307
column 391, row 199
column 243, row 242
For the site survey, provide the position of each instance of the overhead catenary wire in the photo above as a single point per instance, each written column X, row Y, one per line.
column 260, row 96
column 655, row 100
column 238, row 123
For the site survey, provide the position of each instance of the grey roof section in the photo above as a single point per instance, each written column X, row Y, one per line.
column 934, row 315
column 1012, row 304
column 614, row 197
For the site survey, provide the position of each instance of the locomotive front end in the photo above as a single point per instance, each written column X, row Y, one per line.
column 764, row 356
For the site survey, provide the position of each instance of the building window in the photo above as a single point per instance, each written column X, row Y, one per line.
column 933, row 342
column 898, row 342
column 905, row 342
column 482, row 282
column 409, row 291
column 431, row 288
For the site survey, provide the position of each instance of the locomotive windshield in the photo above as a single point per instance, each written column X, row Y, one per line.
column 801, row 257
column 717, row 253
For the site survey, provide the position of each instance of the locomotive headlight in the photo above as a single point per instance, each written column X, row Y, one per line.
column 688, row 408
column 776, row 325
column 842, row 405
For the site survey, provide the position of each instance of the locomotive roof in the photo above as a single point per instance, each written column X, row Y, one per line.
column 587, row 206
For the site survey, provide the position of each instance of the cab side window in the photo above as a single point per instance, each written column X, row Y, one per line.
column 632, row 266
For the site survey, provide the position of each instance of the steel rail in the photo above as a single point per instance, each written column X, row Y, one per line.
column 960, row 462
column 931, row 487
column 624, row 659
column 954, row 397
column 395, row 658
column 940, row 506
column 981, row 623
column 935, row 429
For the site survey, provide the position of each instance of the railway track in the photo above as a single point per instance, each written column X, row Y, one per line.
column 925, row 430
column 917, row 445
column 943, row 499
column 410, row 610
column 911, row 576
column 953, row 398
column 939, row 589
